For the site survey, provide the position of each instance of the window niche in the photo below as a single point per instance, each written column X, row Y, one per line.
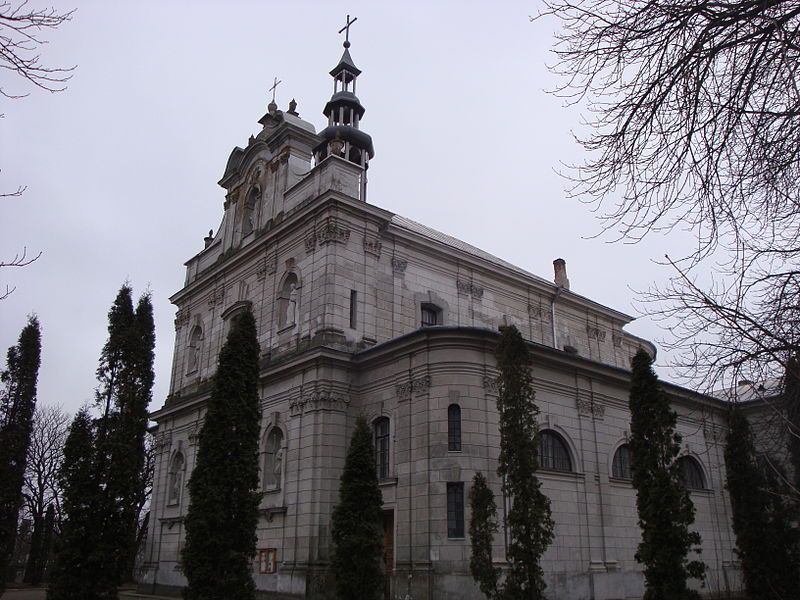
column 274, row 451
column 177, row 468
column 289, row 301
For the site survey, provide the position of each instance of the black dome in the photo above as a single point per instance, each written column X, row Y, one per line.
column 347, row 134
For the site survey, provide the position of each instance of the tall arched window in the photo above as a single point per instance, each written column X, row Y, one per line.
column 553, row 452
column 193, row 350
column 381, row 426
column 692, row 473
column 273, row 460
column 175, row 487
column 621, row 464
column 454, row 428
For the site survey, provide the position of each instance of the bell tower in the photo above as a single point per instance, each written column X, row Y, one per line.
column 343, row 137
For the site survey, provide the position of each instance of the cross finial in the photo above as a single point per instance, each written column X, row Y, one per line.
column 346, row 30
column 275, row 84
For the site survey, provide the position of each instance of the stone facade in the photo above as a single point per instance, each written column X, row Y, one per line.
column 340, row 289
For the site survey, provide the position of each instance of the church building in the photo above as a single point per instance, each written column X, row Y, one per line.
column 362, row 311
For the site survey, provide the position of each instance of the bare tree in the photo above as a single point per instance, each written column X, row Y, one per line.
column 50, row 425
column 21, row 42
column 693, row 121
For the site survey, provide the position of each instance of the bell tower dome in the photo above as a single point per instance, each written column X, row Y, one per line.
column 343, row 137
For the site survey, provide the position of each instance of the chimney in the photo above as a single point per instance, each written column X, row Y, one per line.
column 560, row 268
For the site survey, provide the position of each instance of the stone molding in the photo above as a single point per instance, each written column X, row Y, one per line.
column 470, row 289
column 372, row 245
column 490, row 385
column 399, row 265
column 617, row 340
column 589, row 408
column 332, row 232
column 595, row 333
column 216, row 297
column 415, row 387
column 182, row 317
column 310, row 242
column 319, row 400
column 268, row 266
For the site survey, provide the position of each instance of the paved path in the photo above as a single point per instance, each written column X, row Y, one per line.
column 41, row 594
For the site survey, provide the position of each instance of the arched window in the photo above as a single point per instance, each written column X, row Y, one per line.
column 382, row 447
column 193, row 350
column 175, row 486
column 621, row 464
column 273, row 460
column 692, row 473
column 454, row 428
column 553, row 453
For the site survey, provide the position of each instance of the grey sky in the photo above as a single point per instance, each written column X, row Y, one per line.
column 122, row 168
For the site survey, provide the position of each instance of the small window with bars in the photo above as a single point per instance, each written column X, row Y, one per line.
column 382, row 447
column 455, row 509
column 454, row 428
column 431, row 315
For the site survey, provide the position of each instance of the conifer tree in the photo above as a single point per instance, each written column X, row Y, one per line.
column 17, row 404
column 791, row 398
column 767, row 544
column 223, row 509
column 77, row 563
column 356, row 523
column 665, row 509
column 482, row 527
column 529, row 519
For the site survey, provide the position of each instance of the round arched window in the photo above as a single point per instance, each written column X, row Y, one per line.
column 692, row 473
column 621, row 464
column 553, row 452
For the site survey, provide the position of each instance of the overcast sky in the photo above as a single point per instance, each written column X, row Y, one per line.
column 121, row 168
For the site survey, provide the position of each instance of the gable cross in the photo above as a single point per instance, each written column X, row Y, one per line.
column 275, row 85
column 346, row 30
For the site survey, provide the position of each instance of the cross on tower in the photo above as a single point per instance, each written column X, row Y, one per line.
column 346, row 30
column 275, row 85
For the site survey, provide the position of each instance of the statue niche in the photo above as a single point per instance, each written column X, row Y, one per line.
column 273, row 460
column 193, row 349
column 249, row 210
column 289, row 301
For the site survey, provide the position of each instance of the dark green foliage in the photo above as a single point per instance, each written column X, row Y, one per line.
column 665, row 509
column 77, row 564
column 223, row 510
column 17, row 404
column 125, row 374
column 529, row 522
column 767, row 544
column 791, row 397
column 34, row 566
column 356, row 524
column 482, row 527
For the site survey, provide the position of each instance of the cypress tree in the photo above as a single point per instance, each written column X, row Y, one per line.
column 767, row 544
column 77, row 564
column 665, row 509
column 17, row 405
column 356, row 523
column 482, row 527
column 223, row 509
column 126, row 378
column 529, row 519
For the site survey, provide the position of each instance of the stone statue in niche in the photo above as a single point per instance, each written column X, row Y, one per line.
column 278, row 468
column 273, row 460
column 291, row 305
